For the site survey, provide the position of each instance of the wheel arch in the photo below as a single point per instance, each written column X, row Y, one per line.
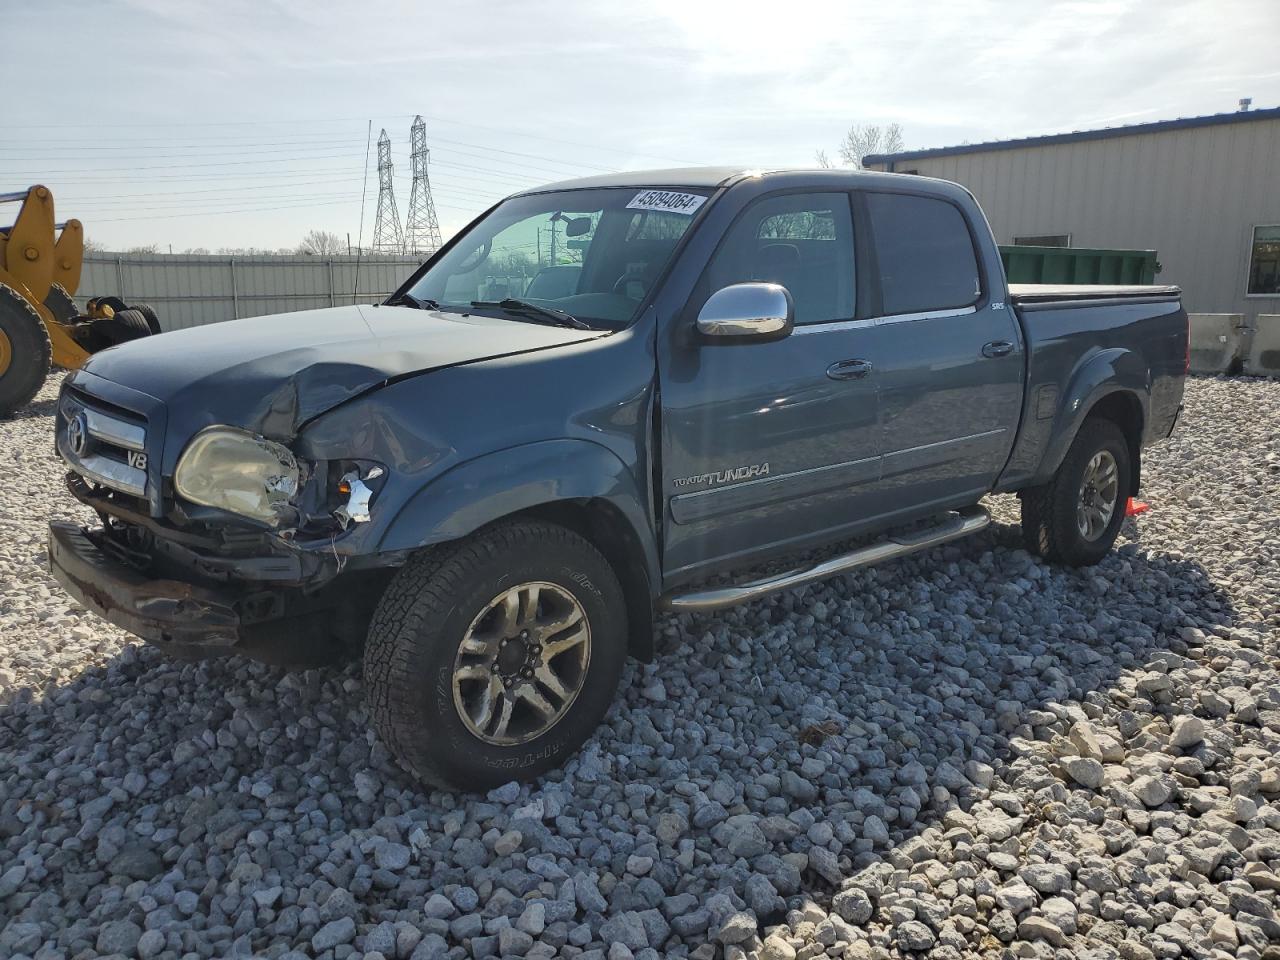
column 576, row 484
column 1112, row 385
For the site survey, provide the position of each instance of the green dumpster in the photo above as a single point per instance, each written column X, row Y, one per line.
column 1078, row 265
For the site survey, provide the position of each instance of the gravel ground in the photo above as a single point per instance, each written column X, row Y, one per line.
column 965, row 753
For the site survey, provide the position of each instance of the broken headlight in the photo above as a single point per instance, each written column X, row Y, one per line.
column 236, row 471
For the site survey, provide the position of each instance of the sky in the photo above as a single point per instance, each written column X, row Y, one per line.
column 244, row 123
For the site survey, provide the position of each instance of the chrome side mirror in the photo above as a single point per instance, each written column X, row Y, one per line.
column 741, row 312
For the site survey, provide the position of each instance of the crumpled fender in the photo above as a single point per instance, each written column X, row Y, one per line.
column 479, row 491
column 1113, row 370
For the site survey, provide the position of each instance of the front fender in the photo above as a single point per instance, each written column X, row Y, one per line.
column 498, row 484
column 1115, row 370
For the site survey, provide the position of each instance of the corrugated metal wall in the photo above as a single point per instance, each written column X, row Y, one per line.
column 1194, row 195
column 190, row 290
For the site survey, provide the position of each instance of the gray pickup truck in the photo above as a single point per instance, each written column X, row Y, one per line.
column 603, row 397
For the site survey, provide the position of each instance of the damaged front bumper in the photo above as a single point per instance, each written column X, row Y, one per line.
column 192, row 616
column 168, row 612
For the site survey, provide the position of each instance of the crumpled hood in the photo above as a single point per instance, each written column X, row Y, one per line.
column 272, row 374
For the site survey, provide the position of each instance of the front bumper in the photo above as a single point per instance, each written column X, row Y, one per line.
column 167, row 612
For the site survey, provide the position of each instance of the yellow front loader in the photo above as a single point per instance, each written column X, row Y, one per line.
column 40, row 324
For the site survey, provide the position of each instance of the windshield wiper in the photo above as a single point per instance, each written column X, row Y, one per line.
column 422, row 303
column 523, row 307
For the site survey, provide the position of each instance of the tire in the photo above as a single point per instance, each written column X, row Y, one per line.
column 148, row 314
column 124, row 326
column 1051, row 526
column 25, row 351
column 115, row 303
column 415, row 643
column 61, row 305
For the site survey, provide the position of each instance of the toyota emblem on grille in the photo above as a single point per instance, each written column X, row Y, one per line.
column 78, row 434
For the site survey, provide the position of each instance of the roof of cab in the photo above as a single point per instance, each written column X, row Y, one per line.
column 710, row 177
column 670, row 177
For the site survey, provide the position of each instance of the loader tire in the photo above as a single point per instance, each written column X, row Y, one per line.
column 25, row 351
column 126, row 325
column 61, row 305
column 149, row 314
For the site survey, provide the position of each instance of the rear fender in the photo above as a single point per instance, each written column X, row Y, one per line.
column 1116, row 370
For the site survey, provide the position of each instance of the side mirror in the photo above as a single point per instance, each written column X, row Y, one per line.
column 741, row 312
column 577, row 227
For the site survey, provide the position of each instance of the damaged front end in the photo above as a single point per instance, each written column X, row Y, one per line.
column 245, row 554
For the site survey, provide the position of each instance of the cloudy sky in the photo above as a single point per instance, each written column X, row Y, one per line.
column 243, row 122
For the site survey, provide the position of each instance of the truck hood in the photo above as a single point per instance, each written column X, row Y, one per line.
column 272, row 374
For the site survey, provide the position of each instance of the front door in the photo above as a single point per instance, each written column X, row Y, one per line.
column 767, row 446
column 948, row 359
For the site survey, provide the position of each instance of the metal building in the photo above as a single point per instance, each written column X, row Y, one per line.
column 1204, row 192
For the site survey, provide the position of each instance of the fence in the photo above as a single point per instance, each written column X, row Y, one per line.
column 190, row 290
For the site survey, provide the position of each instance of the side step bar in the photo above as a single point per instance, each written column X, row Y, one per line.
column 956, row 525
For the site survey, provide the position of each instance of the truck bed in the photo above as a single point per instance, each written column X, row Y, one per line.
column 1023, row 294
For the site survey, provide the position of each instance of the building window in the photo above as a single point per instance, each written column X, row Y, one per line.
column 1044, row 240
column 1264, row 262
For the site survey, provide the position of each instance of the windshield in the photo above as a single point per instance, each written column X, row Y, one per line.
column 592, row 254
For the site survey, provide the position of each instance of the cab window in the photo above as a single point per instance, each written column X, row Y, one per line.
column 803, row 241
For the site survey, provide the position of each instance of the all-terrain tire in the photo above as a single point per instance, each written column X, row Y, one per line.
column 1049, row 526
column 149, row 314
column 26, row 353
column 61, row 305
column 419, row 625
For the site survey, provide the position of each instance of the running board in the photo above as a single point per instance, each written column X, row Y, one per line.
column 956, row 525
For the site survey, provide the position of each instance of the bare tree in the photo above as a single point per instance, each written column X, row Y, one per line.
column 821, row 159
column 144, row 248
column 321, row 243
column 865, row 139
column 92, row 246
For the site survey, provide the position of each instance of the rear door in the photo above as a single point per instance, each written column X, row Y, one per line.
column 769, row 445
column 948, row 357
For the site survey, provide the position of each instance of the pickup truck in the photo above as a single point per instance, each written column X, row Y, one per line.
column 706, row 370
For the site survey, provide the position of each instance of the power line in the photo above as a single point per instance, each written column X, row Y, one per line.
column 216, row 213
column 295, row 121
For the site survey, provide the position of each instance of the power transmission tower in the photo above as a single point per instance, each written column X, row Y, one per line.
column 387, row 235
column 422, row 229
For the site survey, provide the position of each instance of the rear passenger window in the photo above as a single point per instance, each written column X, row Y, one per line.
column 924, row 252
column 803, row 241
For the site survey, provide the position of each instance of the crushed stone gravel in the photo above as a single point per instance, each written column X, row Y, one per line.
column 963, row 753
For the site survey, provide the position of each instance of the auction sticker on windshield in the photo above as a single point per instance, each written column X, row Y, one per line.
column 665, row 200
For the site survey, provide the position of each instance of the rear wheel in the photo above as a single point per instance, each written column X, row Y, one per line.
column 494, row 659
column 25, row 351
column 1076, row 517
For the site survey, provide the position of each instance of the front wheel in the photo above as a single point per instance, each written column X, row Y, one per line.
column 1076, row 517
column 494, row 659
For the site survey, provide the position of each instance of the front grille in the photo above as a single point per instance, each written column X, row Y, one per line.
column 103, row 443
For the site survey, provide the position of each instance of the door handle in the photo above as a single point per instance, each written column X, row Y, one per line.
column 849, row 369
column 997, row 348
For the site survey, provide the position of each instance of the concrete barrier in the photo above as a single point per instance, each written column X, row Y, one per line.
column 1215, row 341
column 1263, row 358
